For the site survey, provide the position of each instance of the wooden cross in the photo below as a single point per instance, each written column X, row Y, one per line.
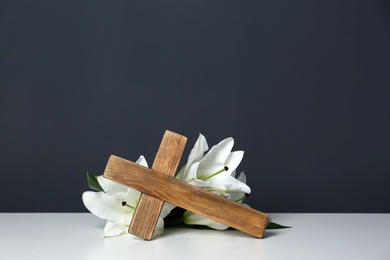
column 159, row 185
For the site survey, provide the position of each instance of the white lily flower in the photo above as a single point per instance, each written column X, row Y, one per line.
column 191, row 218
column 117, row 205
column 214, row 172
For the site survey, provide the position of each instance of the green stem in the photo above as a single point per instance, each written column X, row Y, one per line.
column 241, row 199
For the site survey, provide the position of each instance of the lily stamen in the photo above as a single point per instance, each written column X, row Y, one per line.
column 127, row 205
column 225, row 168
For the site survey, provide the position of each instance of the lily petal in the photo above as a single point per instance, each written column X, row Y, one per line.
column 238, row 196
column 233, row 160
column 180, row 175
column 233, row 174
column 199, row 148
column 190, row 172
column 110, row 187
column 166, row 209
column 205, row 185
column 232, row 184
column 196, row 219
column 217, row 225
column 242, row 177
column 142, row 161
column 107, row 207
column 196, row 154
column 215, row 159
column 159, row 229
column 112, row 229
column 132, row 197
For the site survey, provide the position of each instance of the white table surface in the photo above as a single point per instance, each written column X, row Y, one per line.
column 80, row 236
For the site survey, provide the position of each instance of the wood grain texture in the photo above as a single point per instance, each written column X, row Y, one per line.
column 186, row 196
column 149, row 208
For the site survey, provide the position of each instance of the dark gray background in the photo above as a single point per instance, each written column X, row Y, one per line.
column 302, row 86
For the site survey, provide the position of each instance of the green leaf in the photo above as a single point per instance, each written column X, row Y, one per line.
column 273, row 225
column 93, row 182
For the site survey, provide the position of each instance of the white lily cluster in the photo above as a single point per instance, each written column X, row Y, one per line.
column 214, row 171
column 117, row 203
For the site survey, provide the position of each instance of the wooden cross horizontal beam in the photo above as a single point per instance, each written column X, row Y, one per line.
column 184, row 195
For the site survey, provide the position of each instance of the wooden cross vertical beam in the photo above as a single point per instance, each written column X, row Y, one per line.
column 149, row 208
